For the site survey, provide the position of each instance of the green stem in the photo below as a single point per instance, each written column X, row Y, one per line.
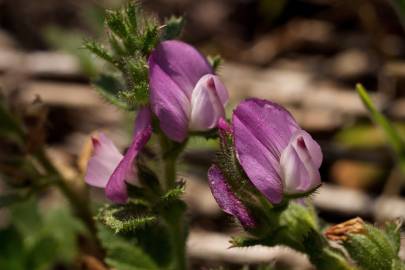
column 177, row 227
column 170, row 172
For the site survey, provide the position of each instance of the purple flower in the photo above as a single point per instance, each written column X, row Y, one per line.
column 276, row 154
column 109, row 169
column 185, row 94
column 226, row 199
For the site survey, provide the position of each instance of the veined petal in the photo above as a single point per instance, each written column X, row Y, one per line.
column 270, row 123
column 182, row 63
column 169, row 103
column 259, row 164
column 262, row 130
column 116, row 189
column 300, row 163
column 226, row 199
column 207, row 106
column 104, row 159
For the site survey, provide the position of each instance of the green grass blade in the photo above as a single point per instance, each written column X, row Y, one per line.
column 393, row 136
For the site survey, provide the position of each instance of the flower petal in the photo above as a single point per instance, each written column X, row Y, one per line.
column 168, row 101
column 206, row 104
column 273, row 125
column 182, row 63
column 116, row 189
column 262, row 130
column 300, row 163
column 221, row 90
column 226, row 199
column 104, row 159
column 260, row 166
column 143, row 119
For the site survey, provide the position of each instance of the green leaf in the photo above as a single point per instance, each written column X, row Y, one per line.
column 28, row 220
column 116, row 46
column 149, row 40
column 393, row 136
column 172, row 28
column 61, row 225
column 42, row 254
column 125, row 218
column 109, row 87
column 12, row 253
column 132, row 11
column 98, row 50
column 115, row 21
column 122, row 255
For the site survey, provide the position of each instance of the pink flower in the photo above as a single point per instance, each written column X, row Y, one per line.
column 111, row 170
column 276, row 154
column 185, row 94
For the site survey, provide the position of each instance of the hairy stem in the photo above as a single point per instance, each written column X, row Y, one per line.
column 170, row 172
column 170, row 153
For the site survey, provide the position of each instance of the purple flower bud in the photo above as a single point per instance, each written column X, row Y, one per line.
column 276, row 154
column 108, row 169
column 185, row 94
column 226, row 199
column 224, row 127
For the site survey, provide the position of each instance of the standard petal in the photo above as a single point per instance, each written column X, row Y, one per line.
column 226, row 199
column 104, row 159
column 300, row 166
column 168, row 102
column 182, row 63
column 270, row 123
column 116, row 189
column 206, row 104
column 260, row 165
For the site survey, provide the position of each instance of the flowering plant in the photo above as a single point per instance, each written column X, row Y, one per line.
column 265, row 170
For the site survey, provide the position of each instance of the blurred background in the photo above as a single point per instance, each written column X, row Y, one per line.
column 304, row 54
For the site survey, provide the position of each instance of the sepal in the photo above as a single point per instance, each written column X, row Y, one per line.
column 289, row 226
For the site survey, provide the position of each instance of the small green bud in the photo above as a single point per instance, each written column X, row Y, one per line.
column 371, row 248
